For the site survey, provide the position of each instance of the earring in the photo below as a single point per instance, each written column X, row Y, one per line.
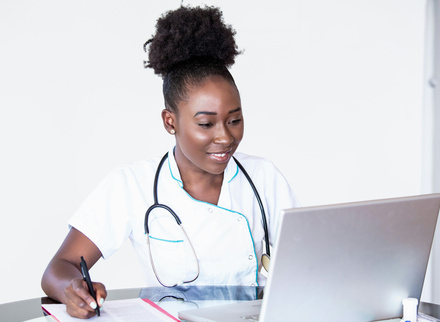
column 173, row 131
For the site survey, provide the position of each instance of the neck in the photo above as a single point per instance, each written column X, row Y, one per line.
column 199, row 184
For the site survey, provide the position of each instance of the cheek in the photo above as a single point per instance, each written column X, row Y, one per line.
column 239, row 133
column 201, row 135
column 195, row 136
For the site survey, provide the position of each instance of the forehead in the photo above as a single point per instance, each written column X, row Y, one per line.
column 213, row 92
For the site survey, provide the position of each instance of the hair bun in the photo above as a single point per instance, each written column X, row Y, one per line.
column 187, row 33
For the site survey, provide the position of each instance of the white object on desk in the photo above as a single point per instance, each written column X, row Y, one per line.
column 118, row 310
column 410, row 309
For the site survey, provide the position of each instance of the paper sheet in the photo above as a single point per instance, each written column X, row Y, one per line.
column 117, row 310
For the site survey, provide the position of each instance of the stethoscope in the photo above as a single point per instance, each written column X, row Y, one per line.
column 265, row 258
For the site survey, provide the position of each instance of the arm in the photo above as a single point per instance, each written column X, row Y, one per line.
column 63, row 281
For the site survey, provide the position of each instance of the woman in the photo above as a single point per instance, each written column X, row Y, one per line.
column 198, row 178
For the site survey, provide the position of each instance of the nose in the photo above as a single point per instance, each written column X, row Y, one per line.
column 223, row 135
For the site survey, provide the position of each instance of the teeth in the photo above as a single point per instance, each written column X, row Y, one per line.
column 220, row 155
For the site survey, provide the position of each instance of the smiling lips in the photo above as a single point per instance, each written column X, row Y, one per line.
column 220, row 157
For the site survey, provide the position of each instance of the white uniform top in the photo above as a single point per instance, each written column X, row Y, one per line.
column 227, row 238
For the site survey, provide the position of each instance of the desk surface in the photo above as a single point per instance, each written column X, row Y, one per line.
column 31, row 309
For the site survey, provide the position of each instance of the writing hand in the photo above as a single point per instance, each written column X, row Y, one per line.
column 79, row 302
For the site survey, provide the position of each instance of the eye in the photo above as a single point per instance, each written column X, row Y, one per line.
column 235, row 121
column 205, row 125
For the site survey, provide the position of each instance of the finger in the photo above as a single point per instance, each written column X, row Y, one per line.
column 101, row 293
column 83, row 292
column 78, row 312
column 78, row 301
column 82, row 296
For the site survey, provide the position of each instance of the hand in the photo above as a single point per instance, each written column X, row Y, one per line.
column 79, row 302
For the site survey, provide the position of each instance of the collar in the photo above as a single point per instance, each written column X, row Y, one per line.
column 230, row 172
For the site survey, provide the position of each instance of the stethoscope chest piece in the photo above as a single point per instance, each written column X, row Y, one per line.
column 265, row 258
column 265, row 261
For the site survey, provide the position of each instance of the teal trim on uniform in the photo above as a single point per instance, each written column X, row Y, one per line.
column 247, row 223
column 171, row 172
column 167, row 240
column 236, row 173
column 229, row 210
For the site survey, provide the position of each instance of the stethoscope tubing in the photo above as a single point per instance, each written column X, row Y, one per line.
column 156, row 201
column 260, row 203
column 154, row 266
column 179, row 222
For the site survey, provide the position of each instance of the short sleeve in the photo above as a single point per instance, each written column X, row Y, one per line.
column 104, row 216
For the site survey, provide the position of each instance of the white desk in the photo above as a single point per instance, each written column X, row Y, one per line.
column 30, row 310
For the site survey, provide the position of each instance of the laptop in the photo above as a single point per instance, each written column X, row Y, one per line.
column 347, row 262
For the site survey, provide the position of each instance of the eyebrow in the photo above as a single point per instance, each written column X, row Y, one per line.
column 214, row 113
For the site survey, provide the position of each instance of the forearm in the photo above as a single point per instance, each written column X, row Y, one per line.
column 57, row 277
column 63, row 280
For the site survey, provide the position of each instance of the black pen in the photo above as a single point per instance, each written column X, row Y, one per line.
column 86, row 276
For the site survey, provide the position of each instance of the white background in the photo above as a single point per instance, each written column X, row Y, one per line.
column 332, row 92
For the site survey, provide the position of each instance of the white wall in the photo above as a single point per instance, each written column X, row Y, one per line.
column 431, row 129
column 332, row 93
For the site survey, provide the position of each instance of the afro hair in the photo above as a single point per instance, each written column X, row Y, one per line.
column 188, row 33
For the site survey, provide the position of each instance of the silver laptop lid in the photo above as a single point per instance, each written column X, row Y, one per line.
column 350, row 262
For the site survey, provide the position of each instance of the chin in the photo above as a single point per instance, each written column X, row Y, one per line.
column 216, row 170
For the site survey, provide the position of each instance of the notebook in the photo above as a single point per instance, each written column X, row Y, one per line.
column 346, row 262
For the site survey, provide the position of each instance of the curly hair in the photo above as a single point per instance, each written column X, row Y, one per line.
column 190, row 45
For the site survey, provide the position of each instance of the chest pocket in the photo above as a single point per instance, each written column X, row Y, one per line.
column 221, row 238
column 173, row 258
column 224, row 245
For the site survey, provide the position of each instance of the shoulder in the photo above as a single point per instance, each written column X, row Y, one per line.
column 254, row 163
column 269, row 181
column 262, row 171
column 133, row 172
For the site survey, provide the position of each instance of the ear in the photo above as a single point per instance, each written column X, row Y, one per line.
column 169, row 120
